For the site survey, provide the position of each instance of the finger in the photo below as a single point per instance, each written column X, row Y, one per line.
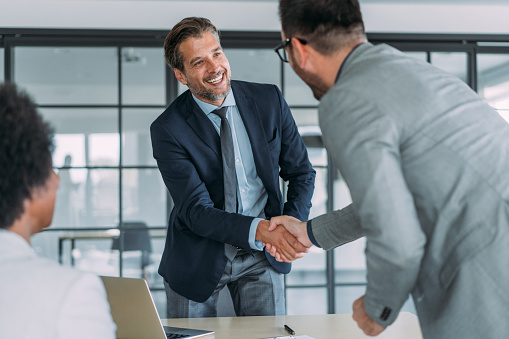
column 296, row 250
column 283, row 255
column 298, row 246
column 373, row 329
column 355, row 316
column 285, row 259
column 358, row 303
column 355, row 308
column 274, row 222
column 288, row 257
column 295, row 243
column 273, row 251
column 286, row 253
column 299, row 256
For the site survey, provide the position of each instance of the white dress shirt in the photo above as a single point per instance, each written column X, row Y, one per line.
column 41, row 299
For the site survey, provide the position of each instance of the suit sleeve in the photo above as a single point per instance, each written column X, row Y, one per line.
column 195, row 208
column 336, row 228
column 364, row 144
column 295, row 167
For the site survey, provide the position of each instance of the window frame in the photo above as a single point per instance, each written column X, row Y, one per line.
column 472, row 44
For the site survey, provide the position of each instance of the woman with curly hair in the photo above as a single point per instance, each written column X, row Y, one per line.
column 38, row 297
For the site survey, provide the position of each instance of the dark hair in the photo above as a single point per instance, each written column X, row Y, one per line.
column 192, row 27
column 26, row 144
column 327, row 25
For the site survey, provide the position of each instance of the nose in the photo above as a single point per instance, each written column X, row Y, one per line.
column 213, row 66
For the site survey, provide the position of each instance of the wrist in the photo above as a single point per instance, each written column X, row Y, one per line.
column 259, row 229
column 311, row 237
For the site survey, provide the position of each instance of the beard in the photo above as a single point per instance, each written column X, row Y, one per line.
column 201, row 91
column 314, row 82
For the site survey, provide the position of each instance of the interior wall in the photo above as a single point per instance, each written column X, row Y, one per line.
column 244, row 15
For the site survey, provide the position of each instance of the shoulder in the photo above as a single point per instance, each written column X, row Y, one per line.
column 87, row 287
column 45, row 279
column 254, row 87
column 93, row 312
column 176, row 111
column 52, row 273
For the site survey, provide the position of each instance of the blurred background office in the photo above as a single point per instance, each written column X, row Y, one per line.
column 96, row 69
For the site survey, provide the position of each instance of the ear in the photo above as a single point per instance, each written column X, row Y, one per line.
column 300, row 52
column 180, row 76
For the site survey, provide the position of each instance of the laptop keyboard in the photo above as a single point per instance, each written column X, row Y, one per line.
column 175, row 335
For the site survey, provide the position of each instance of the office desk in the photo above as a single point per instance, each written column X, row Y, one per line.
column 95, row 235
column 328, row 326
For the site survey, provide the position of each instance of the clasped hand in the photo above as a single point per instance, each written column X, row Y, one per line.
column 364, row 321
column 285, row 238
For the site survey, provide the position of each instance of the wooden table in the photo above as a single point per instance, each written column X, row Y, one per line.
column 327, row 326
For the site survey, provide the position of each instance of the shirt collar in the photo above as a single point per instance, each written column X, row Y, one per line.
column 344, row 61
column 208, row 108
column 15, row 243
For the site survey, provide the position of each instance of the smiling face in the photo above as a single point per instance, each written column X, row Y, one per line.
column 206, row 69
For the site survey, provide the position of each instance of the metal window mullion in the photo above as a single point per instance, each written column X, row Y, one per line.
column 8, row 61
column 120, row 177
column 472, row 69
column 330, row 271
column 171, row 94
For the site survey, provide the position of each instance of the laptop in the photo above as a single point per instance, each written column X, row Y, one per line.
column 135, row 314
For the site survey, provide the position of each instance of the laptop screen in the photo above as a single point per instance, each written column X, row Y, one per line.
column 135, row 314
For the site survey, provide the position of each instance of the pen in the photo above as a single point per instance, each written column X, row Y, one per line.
column 289, row 330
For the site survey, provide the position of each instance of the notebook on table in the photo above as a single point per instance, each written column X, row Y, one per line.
column 135, row 314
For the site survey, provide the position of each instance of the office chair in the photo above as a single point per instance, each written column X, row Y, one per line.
column 136, row 238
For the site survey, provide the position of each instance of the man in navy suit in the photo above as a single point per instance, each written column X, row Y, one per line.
column 186, row 144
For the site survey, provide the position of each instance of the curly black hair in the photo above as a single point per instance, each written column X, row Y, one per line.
column 26, row 145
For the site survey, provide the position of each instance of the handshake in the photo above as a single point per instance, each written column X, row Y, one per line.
column 284, row 237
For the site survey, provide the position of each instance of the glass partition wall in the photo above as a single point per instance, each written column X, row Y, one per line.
column 101, row 91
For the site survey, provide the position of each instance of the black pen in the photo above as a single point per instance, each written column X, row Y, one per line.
column 289, row 330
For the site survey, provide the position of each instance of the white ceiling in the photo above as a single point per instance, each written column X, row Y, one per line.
column 387, row 16
column 457, row 2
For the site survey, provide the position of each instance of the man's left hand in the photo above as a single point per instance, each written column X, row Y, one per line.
column 364, row 321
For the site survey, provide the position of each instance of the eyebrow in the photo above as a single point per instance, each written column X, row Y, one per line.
column 218, row 48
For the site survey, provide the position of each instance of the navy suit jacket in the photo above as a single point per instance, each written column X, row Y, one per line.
column 188, row 153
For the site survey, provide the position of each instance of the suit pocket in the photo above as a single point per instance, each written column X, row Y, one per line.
column 467, row 247
column 274, row 147
column 275, row 141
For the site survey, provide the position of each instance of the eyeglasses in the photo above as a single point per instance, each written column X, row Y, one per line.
column 280, row 49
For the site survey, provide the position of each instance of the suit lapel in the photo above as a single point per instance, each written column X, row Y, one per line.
column 251, row 118
column 202, row 126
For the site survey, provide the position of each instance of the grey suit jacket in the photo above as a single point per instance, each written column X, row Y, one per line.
column 426, row 161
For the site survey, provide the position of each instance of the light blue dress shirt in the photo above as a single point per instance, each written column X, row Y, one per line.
column 251, row 193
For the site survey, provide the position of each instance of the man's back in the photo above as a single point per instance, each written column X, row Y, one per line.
column 41, row 299
column 444, row 132
column 426, row 160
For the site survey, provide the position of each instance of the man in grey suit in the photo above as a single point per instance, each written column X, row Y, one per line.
column 426, row 162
